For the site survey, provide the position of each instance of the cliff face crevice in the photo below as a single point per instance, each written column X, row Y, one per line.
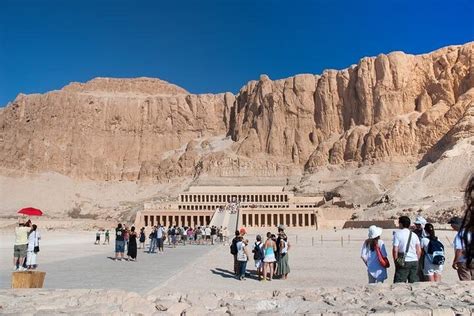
column 389, row 107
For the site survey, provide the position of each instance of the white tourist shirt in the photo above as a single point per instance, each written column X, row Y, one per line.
column 400, row 239
column 208, row 231
column 374, row 267
column 459, row 245
column 159, row 232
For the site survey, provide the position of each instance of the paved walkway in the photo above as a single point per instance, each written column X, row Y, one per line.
column 98, row 271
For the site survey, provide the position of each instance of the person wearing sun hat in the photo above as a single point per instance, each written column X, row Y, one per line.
column 377, row 273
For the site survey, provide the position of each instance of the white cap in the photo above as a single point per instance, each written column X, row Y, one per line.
column 420, row 220
column 374, row 231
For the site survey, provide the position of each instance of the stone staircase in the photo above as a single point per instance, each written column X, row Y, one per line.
column 226, row 219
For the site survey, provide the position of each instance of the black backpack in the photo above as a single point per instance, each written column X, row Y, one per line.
column 436, row 252
column 257, row 252
column 233, row 247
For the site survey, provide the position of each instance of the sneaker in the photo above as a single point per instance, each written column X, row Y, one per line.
column 21, row 269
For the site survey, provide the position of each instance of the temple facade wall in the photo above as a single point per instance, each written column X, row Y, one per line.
column 258, row 207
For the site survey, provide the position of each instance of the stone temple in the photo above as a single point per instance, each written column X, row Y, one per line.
column 234, row 206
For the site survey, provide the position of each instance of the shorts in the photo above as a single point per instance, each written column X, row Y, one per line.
column 20, row 250
column 431, row 269
column 208, row 237
column 160, row 242
column 119, row 246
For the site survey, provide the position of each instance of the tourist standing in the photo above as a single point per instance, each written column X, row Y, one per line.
column 119, row 242
column 160, row 238
column 125, row 236
column 406, row 252
column 33, row 248
column 433, row 254
column 132, row 245
column 464, row 244
column 20, row 247
column 213, row 235
column 459, row 257
column 172, row 234
column 374, row 255
column 269, row 249
column 153, row 240
column 242, row 256
column 107, row 237
column 283, row 267
column 207, row 233
column 190, row 234
column 142, row 238
column 419, row 230
column 258, row 256
column 97, row 238
column 184, row 235
column 233, row 251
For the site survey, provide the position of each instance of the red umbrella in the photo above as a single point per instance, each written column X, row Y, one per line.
column 30, row 211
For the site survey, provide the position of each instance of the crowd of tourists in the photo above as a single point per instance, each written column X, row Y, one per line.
column 418, row 254
column 126, row 238
column 270, row 256
column 27, row 237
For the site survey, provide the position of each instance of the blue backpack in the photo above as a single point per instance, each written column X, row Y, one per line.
column 436, row 252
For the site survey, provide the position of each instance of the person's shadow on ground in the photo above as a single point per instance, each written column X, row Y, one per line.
column 223, row 273
column 227, row 274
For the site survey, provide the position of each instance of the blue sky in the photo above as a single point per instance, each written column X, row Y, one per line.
column 211, row 45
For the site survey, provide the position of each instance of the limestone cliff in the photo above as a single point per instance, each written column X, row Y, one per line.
column 390, row 107
column 105, row 129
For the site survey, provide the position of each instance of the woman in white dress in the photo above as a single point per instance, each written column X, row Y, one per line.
column 33, row 247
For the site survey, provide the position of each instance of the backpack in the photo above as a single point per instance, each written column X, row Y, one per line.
column 233, row 247
column 258, row 252
column 436, row 252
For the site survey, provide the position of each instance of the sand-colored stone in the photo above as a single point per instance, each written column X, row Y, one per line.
column 383, row 107
column 133, row 139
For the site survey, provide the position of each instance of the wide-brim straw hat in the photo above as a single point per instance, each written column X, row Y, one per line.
column 374, row 232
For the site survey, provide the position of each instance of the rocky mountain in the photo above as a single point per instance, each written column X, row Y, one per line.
column 396, row 109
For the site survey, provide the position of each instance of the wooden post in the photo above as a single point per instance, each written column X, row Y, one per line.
column 27, row 279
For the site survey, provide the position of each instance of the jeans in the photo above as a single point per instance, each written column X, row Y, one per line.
column 242, row 268
column 152, row 245
column 407, row 273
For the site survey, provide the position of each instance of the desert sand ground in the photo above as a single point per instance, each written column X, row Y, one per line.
column 198, row 279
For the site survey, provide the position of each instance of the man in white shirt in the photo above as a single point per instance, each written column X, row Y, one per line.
column 459, row 262
column 207, row 232
column 160, row 235
column 408, row 272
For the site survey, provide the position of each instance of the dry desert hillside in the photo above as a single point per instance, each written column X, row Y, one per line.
column 396, row 129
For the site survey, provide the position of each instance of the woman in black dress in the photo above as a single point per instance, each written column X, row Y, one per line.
column 132, row 245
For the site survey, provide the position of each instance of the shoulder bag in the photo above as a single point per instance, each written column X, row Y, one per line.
column 401, row 256
column 382, row 260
